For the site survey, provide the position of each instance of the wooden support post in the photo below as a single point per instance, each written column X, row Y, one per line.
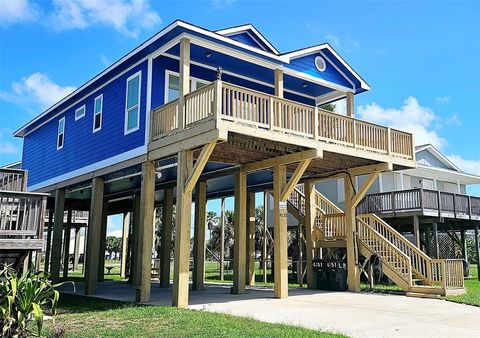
column 182, row 235
column 477, row 248
column 40, row 232
column 370, row 274
column 464, row 245
column 184, row 65
column 146, row 231
column 76, row 250
column 57, row 234
column 250, row 259
column 435, row 241
column 416, row 231
column 280, row 232
column 222, row 239
column 351, row 230
column 264, row 237
column 428, row 241
column 310, row 217
column 49, row 241
column 66, row 244
column 135, row 266
column 240, row 224
column 198, row 276
column 300, row 255
column 93, row 242
column 166, row 246
column 103, row 242
column 350, row 104
column 125, row 230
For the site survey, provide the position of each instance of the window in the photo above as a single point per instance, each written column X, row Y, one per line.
column 172, row 85
column 132, row 109
column 97, row 113
column 61, row 133
column 80, row 112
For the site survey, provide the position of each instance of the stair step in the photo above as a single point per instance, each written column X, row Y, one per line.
column 422, row 295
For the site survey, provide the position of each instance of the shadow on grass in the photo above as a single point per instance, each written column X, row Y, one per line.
column 70, row 303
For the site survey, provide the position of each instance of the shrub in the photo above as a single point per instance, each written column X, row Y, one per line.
column 21, row 301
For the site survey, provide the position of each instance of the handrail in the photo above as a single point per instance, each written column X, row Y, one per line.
column 334, row 226
column 419, row 260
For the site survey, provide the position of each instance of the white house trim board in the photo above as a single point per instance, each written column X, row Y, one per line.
column 442, row 158
column 316, row 80
column 92, row 167
column 245, row 28
column 442, row 174
column 148, row 105
column 338, row 69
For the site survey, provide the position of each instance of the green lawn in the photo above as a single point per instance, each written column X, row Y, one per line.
column 86, row 317
column 472, row 297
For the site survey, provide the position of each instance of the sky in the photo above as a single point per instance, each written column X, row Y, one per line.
column 421, row 59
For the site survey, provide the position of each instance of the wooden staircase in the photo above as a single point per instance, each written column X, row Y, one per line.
column 406, row 265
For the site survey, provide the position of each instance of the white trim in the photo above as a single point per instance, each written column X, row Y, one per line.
column 338, row 69
column 316, row 80
column 329, row 97
column 127, row 131
column 380, row 182
column 317, row 48
column 92, row 167
column 239, row 76
column 80, row 116
column 148, row 105
column 61, row 133
column 97, row 113
column 442, row 158
column 194, row 83
column 245, row 28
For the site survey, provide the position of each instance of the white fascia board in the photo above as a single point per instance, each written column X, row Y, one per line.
column 442, row 158
column 315, row 49
column 316, row 80
column 442, row 174
column 244, row 28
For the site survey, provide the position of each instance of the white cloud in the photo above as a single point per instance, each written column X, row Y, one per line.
column 7, row 148
column 221, row 4
column 36, row 91
column 115, row 233
column 12, row 11
column 443, row 99
column 467, row 166
column 333, row 39
column 105, row 60
column 411, row 117
column 126, row 16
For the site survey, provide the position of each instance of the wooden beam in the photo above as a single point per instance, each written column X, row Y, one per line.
column 240, row 224
column 103, row 243
column 367, row 169
column 364, row 188
column 199, row 165
column 166, row 246
column 310, row 217
column 125, row 230
column 66, row 244
column 282, row 160
column 293, row 181
column 93, row 240
column 146, row 230
column 353, row 274
column 182, row 235
column 57, row 234
column 198, row 276
column 49, row 240
column 280, row 233
column 250, row 259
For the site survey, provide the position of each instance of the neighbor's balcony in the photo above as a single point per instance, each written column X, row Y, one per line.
column 226, row 103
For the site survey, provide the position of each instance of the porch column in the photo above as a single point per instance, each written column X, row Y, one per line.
column 279, row 83
column 184, row 78
column 310, row 216
column 416, row 231
column 57, row 234
column 350, row 104
column 222, row 238
column 146, row 230
column 353, row 273
column 240, row 231
column 76, row 250
column 103, row 242
column 250, row 259
column 125, row 230
column 166, row 245
column 49, row 241
column 94, row 230
column 135, row 267
column 198, row 276
column 182, row 234
column 66, row 244
column 435, row 241
column 280, row 232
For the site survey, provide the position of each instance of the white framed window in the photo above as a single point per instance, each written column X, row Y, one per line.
column 79, row 113
column 97, row 113
column 132, row 103
column 172, row 85
column 61, row 133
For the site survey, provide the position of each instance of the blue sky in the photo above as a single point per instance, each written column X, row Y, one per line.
column 420, row 58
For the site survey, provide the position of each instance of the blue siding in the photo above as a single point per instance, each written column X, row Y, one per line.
column 82, row 147
column 245, row 38
column 306, row 64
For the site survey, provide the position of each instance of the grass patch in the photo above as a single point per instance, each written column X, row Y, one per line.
column 472, row 285
column 81, row 316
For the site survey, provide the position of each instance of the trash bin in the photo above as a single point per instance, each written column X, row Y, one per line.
column 337, row 275
column 321, row 274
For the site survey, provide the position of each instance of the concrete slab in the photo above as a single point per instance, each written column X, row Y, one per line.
column 354, row 314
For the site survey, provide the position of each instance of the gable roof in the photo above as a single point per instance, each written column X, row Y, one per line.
column 250, row 30
column 438, row 155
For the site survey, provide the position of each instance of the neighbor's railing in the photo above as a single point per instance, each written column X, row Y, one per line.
column 234, row 103
column 13, row 179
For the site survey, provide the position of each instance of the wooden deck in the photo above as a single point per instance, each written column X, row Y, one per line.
column 222, row 111
column 422, row 202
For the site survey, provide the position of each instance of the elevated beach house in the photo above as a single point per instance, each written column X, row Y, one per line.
column 193, row 114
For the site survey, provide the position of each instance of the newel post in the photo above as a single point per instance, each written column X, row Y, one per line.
column 315, row 124
column 217, row 106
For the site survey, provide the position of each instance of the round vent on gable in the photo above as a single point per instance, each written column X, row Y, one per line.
column 320, row 64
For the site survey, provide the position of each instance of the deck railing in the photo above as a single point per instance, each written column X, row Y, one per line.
column 13, row 179
column 228, row 102
column 423, row 201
